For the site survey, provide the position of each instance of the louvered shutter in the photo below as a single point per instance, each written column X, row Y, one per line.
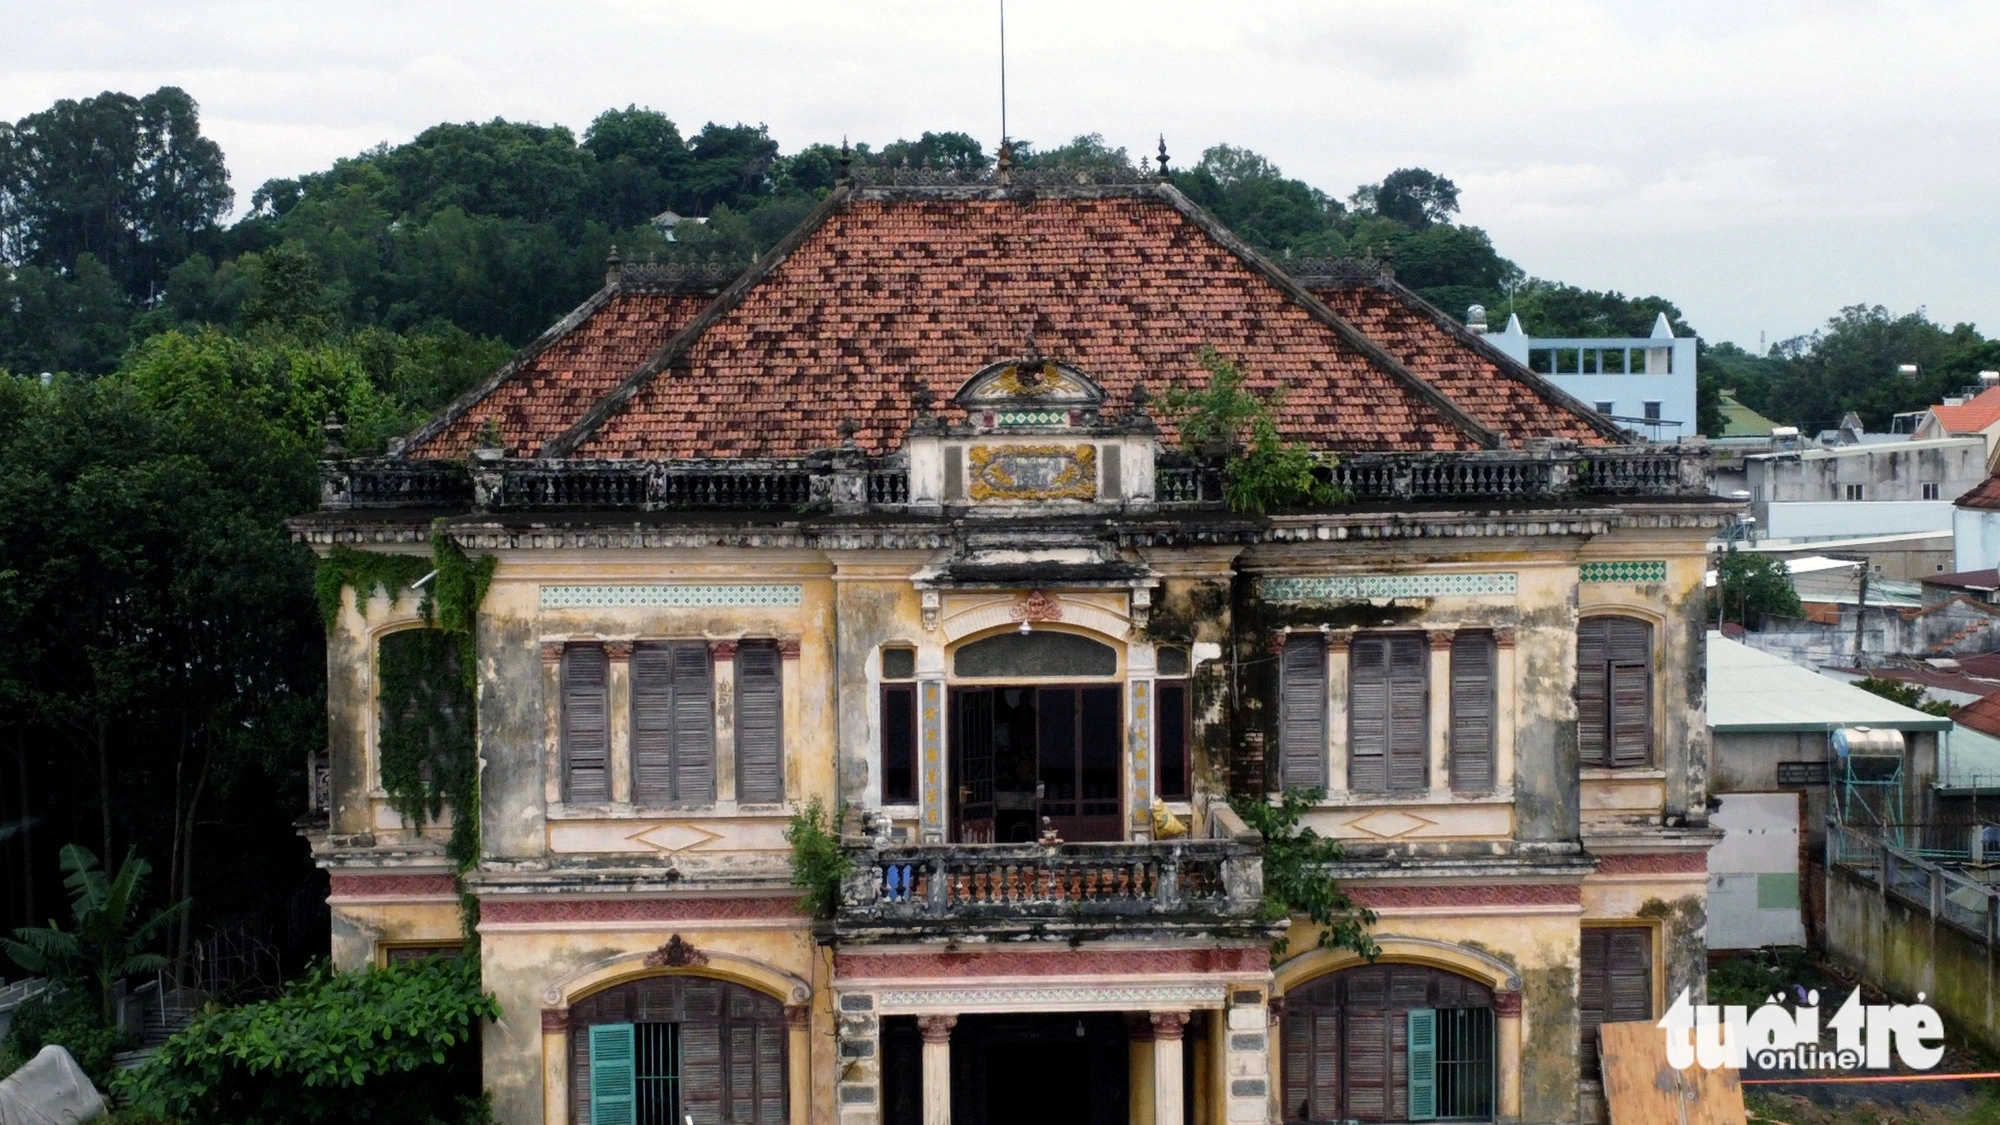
column 612, row 1080
column 586, row 730
column 1302, row 740
column 1368, row 715
column 1325, row 1092
column 1367, row 1058
column 1298, row 1072
column 1472, row 712
column 701, row 1054
column 1409, row 713
column 1422, row 1080
column 1593, row 984
column 771, row 1078
column 652, row 725
column 1593, row 693
column 1630, row 650
column 694, row 724
column 760, row 754
column 1630, row 993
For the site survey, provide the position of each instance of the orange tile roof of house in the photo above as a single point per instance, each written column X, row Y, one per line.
column 1971, row 416
column 884, row 290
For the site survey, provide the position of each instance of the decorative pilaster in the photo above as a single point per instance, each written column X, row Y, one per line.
column 618, row 708
column 1440, row 720
column 722, row 658
column 1507, row 1020
column 1167, row 1030
column 1339, row 644
column 930, row 729
column 937, row 1067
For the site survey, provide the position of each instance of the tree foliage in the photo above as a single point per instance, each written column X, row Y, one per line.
column 1262, row 471
column 1909, row 695
column 1750, row 585
column 397, row 1045
column 819, row 865
column 109, row 933
column 1298, row 873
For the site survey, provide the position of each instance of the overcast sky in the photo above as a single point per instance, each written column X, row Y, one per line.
column 1761, row 164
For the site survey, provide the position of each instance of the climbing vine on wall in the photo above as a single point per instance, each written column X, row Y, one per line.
column 427, row 679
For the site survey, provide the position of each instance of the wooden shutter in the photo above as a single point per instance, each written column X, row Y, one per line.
column 1409, row 713
column 612, row 1080
column 1630, row 650
column 701, row 1062
column 1302, row 743
column 1593, row 983
column 694, row 724
column 1296, row 1072
column 1368, row 715
column 1325, row 1091
column 1593, row 693
column 652, row 725
column 1367, row 1055
column 1422, row 1078
column 760, row 702
column 586, row 727
column 1472, row 711
column 1616, row 985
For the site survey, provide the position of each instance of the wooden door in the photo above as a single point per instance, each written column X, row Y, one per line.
column 973, row 758
column 1078, row 761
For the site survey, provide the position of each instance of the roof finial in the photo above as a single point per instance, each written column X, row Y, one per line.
column 1162, row 158
column 1005, row 165
column 614, row 268
column 1032, row 354
column 846, row 161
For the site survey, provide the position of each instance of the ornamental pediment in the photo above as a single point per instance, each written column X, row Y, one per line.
column 1029, row 391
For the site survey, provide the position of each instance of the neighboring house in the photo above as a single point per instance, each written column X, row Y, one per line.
column 1976, row 585
column 1739, row 421
column 890, row 523
column 1772, row 725
column 1975, row 526
column 1645, row 383
column 1848, row 491
column 666, row 223
column 1970, row 415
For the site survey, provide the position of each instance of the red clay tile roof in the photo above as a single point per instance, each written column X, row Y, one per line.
column 883, row 290
column 1981, row 714
column 1984, row 496
column 548, row 387
column 1479, row 378
column 1971, row 416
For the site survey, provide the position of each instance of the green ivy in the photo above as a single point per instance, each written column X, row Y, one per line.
column 397, row 1044
column 428, row 679
column 1297, row 873
column 819, row 864
column 1261, row 471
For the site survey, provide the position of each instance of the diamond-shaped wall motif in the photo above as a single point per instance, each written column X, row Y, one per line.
column 1388, row 824
column 566, row 597
column 1358, row 586
column 1648, row 570
column 675, row 837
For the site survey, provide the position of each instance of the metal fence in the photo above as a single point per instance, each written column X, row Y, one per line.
column 1936, row 881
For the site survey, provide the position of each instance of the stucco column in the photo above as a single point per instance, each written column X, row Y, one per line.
column 1440, row 721
column 1504, row 695
column 1139, row 1069
column 722, row 657
column 1507, row 1021
column 555, row 1066
column 937, row 1067
column 618, row 717
column 1338, row 642
column 931, row 751
column 552, row 759
column 798, row 1054
column 1139, row 669
column 1167, row 1029
column 791, row 698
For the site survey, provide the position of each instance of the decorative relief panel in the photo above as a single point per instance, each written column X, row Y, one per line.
column 1354, row 587
column 931, row 723
column 1649, row 570
column 1033, row 472
column 1075, row 998
column 676, row 595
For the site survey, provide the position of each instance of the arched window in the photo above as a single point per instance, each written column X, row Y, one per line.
column 670, row 1049
column 1614, row 692
column 1041, row 654
column 425, row 710
column 1388, row 1043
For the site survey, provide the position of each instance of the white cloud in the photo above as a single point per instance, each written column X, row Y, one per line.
column 1761, row 164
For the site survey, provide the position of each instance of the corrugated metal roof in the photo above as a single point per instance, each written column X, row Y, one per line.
column 1750, row 691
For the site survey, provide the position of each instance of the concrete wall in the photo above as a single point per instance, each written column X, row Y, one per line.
column 1903, row 951
column 1888, row 471
column 1842, row 519
column 1975, row 539
column 1753, row 874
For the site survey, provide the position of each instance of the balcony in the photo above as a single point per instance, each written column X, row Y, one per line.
column 1014, row 891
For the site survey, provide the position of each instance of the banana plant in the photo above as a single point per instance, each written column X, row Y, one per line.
column 107, row 941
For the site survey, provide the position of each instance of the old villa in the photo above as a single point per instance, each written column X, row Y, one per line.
column 895, row 520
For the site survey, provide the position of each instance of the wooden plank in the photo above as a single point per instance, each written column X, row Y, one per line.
column 1641, row 1089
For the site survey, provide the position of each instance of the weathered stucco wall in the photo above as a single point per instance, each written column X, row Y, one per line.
column 1903, row 951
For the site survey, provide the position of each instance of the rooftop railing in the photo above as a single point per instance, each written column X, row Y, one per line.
column 852, row 483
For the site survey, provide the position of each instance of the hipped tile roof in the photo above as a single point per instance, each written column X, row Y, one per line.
column 884, row 290
column 1971, row 416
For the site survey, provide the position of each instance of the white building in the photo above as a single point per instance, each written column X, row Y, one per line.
column 1646, row 383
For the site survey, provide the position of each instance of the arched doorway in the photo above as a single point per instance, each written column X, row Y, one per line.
column 677, row 1048
column 1389, row 1043
column 1037, row 738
